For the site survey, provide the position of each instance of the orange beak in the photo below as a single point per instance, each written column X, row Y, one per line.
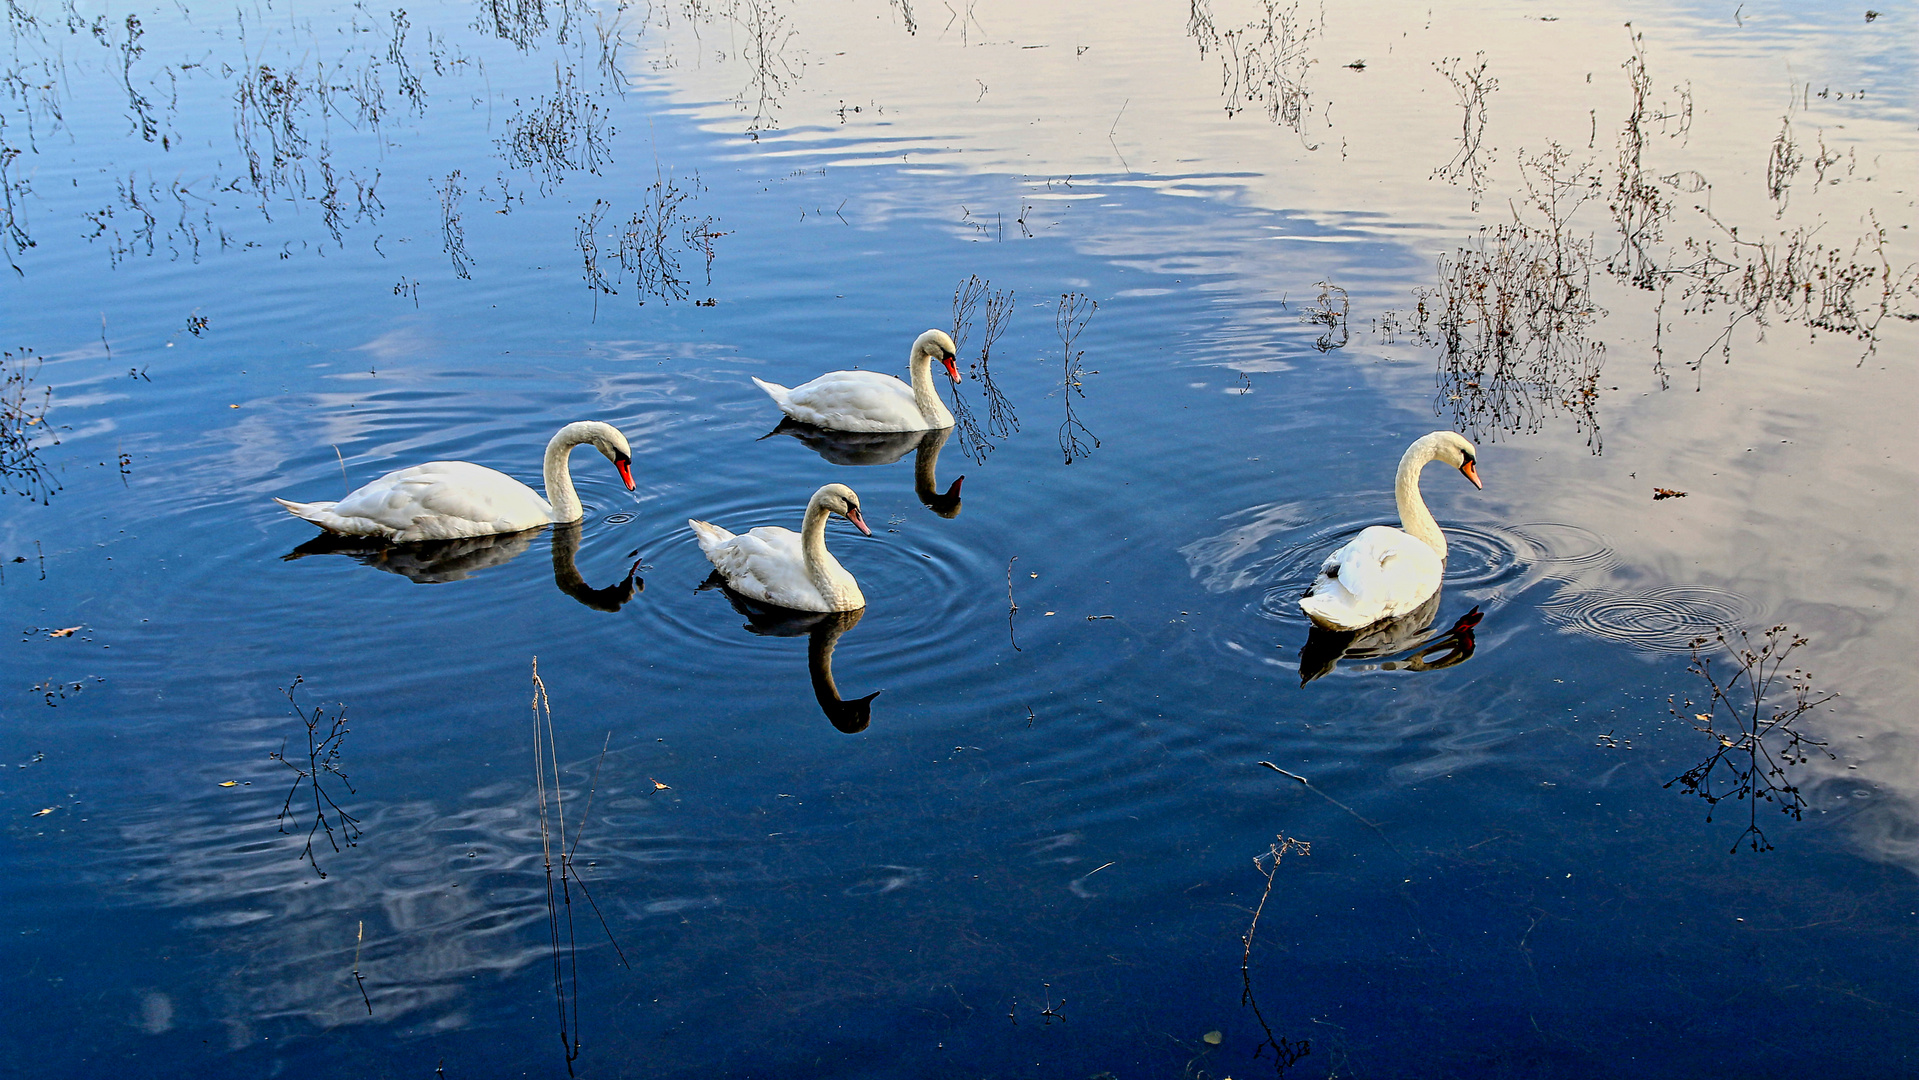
column 1472, row 473
column 952, row 369
column 626, row 472
column 853, row 515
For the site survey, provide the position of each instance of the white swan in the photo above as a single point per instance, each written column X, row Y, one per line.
column 443, row 500
column 1386, row 572
column 870, row 400
column 786, row 568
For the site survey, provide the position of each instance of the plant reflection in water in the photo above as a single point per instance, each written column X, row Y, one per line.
column 822, row 630
column 434, row 562
column 1759, row 699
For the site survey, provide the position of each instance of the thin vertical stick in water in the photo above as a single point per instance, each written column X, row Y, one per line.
column 564, row 964
column 357, row 977
column 571, row 867
column 1285, row 1051
column 1012, row 608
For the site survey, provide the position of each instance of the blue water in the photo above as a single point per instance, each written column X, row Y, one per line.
column 1037, row 857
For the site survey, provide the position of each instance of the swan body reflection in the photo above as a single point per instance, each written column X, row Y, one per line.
column 884, row 448
column 432, row 562
column 445, row 500
column 822, row 630
column 1408, row 633
column 789, row 569
column 1386, row 573
column 870, row 400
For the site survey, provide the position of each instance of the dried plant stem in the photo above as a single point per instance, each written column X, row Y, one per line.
column 1285, row 1051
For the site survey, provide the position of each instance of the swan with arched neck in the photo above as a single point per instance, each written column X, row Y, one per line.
column 445, row 500
column 789, row 569
column 872, row 400
column 1385, row 572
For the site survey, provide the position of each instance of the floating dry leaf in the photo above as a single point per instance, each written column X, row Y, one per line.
column 1211, row 1038
column 63, row 632
column 1659, row 493
column 229, row 783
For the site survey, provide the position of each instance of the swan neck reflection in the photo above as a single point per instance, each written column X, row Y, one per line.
column 822, row 630
column 433, row 562
column 566, row 574
column 852, row 716
column 925, row 461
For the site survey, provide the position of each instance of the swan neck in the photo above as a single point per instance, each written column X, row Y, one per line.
column 925, row 398
column 813, row 550
column 1413, row 515
column 559, row 479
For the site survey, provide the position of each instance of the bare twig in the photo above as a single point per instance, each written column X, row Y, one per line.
column 1760, row 699
column 1285, row 1051
column 1075, row 310
column 1011, row 607
column 357, row 977
column 323, row 758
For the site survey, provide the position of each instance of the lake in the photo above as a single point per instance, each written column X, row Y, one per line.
column 1637, row 793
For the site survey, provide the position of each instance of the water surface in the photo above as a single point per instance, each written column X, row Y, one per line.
column 1247, row 254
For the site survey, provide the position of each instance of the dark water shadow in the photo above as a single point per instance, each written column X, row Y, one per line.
column 822, row 630
column 884, row 448
column 1409, row 634
column 433, row 562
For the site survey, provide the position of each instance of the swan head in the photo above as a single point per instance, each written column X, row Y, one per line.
column 1454, row 449
column 606, row 439
column 937, row 345
column 839, row 499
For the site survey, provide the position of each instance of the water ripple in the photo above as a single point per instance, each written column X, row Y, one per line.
column 1664, row 619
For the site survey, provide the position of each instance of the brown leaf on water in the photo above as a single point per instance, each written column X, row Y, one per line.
column 229, row 783
column 65, row 632
column 1659, row 493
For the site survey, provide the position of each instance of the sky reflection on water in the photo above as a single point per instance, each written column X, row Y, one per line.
column 259, row 249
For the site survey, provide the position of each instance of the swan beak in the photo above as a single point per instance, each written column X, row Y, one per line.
column 1472, row 473
column 952, row 369
column 853, row 515
column 626, row 472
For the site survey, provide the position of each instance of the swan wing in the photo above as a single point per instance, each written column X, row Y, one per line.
column 440, row 500
column 1381, row 573
column 764, row 564
column 851, row 401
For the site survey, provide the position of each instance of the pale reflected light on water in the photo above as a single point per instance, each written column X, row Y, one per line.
column 1212, row 264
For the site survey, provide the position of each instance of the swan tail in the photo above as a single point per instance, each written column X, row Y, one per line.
column 773, row 390
column 312, row 511
column 321, row 514
column 1334, row 611
column 708, row 534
